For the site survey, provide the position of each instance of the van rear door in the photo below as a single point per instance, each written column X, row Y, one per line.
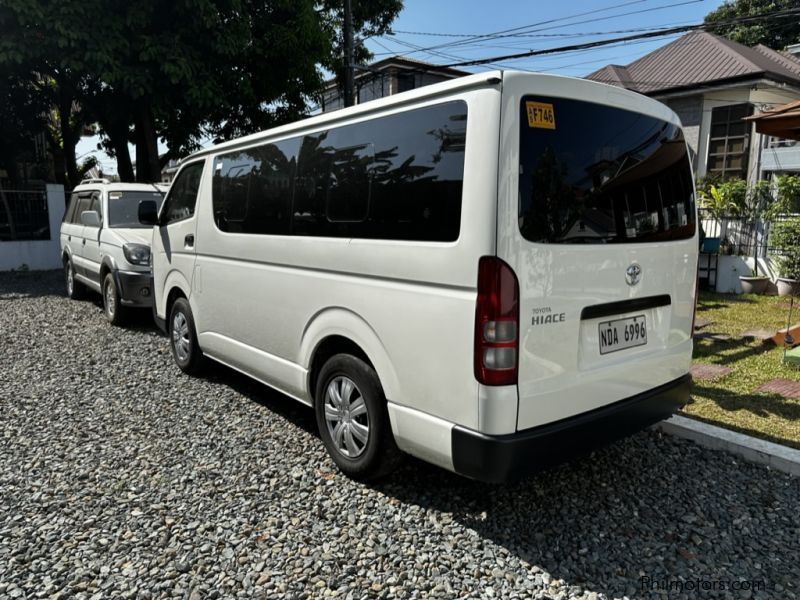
column 602, row 238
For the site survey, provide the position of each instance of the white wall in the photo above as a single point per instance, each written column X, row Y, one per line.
column 730, row 268
column 40, row 254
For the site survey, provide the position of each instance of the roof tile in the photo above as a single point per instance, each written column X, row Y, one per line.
column 699, row 58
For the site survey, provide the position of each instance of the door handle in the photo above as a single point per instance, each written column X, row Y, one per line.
column 84, row 241
column 188, row 241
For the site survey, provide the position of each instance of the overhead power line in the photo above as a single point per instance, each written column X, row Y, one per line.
column 639, row 36
column 495, row 34
column 536, row 27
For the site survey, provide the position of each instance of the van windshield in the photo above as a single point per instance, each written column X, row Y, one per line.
column 123, row 208
column 593, row 174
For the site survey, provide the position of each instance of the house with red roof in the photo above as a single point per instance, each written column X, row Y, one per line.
column 714, row 84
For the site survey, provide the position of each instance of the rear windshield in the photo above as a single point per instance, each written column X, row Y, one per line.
column 594, row 174
column 123, row 208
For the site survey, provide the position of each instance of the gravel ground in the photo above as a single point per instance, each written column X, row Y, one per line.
column 121, row 477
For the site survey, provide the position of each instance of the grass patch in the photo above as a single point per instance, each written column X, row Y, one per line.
column 731, row 400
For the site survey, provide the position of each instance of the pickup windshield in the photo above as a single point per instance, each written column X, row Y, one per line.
column 596, row 174
column 123, row 208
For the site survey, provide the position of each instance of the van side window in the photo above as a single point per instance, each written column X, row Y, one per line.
column 333, row 183
column 253, row 189
column 418, row 175
column 398, row 177
column 182, row 198
column 347, row 199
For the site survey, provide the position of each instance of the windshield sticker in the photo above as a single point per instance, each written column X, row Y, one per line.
column 541, row 115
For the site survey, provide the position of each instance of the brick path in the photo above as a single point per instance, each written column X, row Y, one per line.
column 702, row 371
column 783, row 387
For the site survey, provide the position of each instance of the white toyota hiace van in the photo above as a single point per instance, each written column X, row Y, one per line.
column 492, row 273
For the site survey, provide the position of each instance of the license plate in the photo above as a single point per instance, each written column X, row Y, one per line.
column 622, row 333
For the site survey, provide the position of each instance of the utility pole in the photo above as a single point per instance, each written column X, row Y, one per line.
column 349, row 82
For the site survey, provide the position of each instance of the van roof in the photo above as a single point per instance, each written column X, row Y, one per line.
column 478, row 80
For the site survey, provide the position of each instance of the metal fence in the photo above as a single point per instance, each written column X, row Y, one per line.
column 738, row 236
column 24, row 215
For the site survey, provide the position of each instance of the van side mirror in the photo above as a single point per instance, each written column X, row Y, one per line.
column 90, row 218
column 148, row 212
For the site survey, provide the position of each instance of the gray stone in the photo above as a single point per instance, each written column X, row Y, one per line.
column 122, row 477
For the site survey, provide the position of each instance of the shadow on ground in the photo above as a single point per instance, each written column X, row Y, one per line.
column 31, row 284
column 708, row 346
column 759, row 404
column 649, row 506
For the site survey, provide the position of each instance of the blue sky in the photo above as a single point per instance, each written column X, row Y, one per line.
column 537, row 25
column 529, row 25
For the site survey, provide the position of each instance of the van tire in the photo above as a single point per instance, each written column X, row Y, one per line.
column 112, row 307
column 75, row 289
column 377, row 456
column 183, row 338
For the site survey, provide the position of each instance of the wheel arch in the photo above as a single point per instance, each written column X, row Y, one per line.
column 339, row 330
column 175, row 285
column 174, row 293
column 108, row 265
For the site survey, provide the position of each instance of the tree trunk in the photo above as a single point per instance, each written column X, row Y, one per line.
column 68, row 137
column 142, row 171
column 124, row 164
column 147, row 164
column 118, row 136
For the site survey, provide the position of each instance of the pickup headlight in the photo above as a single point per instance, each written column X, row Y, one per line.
column 137, row 254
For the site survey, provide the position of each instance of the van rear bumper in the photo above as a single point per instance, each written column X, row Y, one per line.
column 500, row 458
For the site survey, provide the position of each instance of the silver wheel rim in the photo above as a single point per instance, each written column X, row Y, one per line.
column 347, row 417
column 69, row 278
column 180, row 337
column 111, row 303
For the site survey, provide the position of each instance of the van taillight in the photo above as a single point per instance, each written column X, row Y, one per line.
column 496, row 323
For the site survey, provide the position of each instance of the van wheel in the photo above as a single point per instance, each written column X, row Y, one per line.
column 75, row 289
column 115, row 312
column 183, row 338
column 352, row 418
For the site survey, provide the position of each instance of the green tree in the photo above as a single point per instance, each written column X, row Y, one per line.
column 776, row 32
column 43, row 39
column 22, row 118
column 370, row 18
column 150, row 70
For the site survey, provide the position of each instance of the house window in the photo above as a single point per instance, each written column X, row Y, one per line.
column 729, row 146
column 778, row 142
column 405, row 82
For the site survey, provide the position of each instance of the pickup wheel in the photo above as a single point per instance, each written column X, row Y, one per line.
column 183, row 338
column 353, row 422
column 115, row 312
column 75, row 289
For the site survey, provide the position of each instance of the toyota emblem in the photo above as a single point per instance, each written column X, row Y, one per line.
column 633, row 274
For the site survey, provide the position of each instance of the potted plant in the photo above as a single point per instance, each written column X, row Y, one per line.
column 785, row 240
column 718, row 203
